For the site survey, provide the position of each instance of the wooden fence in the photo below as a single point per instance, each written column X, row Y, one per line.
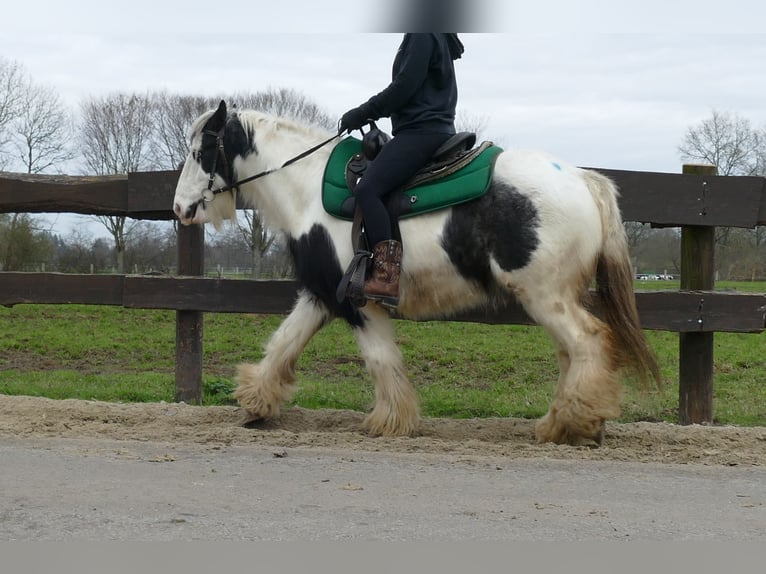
column 696, row 200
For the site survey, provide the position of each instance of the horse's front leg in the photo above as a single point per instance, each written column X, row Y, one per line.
column 263, row 387
column 396, row 411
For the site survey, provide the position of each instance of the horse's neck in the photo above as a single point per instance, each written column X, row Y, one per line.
column 289, row 198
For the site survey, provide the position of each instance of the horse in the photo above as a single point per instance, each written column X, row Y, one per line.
column 543, row 234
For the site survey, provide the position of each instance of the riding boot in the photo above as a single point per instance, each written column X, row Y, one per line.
column 383, row 284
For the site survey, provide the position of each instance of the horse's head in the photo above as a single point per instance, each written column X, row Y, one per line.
column 207, row 169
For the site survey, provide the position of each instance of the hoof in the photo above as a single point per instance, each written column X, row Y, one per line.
column 593, row 441
column 551, row 429
column 375, row 427
column 253, row 421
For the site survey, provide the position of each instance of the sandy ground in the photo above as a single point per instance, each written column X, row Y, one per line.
column 33, row 417
column 84, row 470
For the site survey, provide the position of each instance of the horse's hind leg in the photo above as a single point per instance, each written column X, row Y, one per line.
column 396, row 411
column 263, row 387
column 588, row 391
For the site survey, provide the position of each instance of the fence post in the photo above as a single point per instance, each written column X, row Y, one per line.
column 695, row 373
column 191, row 251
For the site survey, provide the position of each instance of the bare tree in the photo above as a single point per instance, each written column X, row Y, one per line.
column 725, row 140
column 637, row 233
column 467, row 122
column 257, row 238
column 659, row 252
column 285, row 103
column 12, row 79
column 115, row 138
column 42, row 129
column 744, row 257
column 151, row 248
column 115, row 133
column 172, row 117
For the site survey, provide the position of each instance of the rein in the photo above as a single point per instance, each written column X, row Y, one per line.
column 235, row 186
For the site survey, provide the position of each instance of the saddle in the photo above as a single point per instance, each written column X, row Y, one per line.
column 455, row 154
column 455, row 176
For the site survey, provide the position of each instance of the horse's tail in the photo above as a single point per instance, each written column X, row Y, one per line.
column 614, row 285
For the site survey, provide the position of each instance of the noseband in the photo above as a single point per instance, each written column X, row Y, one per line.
column 227, row 170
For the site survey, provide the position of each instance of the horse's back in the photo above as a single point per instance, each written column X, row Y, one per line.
column 566, row 208
column 539, row 174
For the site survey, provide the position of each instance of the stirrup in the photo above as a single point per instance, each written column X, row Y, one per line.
column 390, row 303
column 351, row 285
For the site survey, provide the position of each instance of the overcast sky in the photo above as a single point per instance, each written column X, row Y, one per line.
column 600, row 83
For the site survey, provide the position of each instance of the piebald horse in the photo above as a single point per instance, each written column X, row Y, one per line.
column 542, row 234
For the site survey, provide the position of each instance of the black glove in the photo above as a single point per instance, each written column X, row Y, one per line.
column 355, row 119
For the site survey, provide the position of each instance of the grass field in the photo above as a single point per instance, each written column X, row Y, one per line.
column 459, row 369
column 742, row 286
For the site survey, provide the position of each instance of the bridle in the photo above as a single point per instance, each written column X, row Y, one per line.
column 220, row 153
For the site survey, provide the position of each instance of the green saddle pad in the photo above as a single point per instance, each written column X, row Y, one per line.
column 467, row 183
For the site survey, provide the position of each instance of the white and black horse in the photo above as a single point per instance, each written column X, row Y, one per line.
column 541, row 234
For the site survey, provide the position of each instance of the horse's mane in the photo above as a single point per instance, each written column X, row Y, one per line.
column 252, row 120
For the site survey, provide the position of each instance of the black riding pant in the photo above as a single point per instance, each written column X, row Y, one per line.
column 397, row 162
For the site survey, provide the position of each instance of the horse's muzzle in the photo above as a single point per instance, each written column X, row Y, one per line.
column 188, row 215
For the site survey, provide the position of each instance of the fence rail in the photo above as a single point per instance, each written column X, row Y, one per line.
column 676, row 311
column 697, row 201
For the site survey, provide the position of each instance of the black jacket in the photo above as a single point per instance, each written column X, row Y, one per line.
column 422, row 95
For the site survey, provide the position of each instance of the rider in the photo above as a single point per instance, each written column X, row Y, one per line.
column 421, row 101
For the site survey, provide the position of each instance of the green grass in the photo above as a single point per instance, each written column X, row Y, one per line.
column 459, row 369
column 674, row 285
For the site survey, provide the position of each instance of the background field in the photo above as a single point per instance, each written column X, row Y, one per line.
column 460, row 369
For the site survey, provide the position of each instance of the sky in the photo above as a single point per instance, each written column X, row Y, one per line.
column 599, row 83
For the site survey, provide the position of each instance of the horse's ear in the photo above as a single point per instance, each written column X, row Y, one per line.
column 218, row 119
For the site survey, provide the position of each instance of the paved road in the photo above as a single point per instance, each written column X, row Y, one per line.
column 61, row 489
